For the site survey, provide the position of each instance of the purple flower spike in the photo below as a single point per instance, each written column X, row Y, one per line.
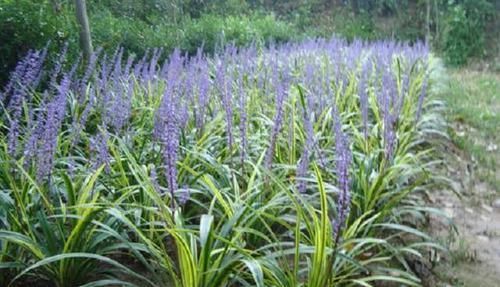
column 53, row 120
column 203, row 95
column 303, row 164
column 154, row 180
column 243, row 119
column 281, row 95
column 58, row 67
column 343, row 161
column 225, row 88
column 363, row 96
column 184, row 195
column 171, row 143
column 167, row 124
column 99, row 146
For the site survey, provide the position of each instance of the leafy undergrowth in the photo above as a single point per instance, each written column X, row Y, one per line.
column 294, row 165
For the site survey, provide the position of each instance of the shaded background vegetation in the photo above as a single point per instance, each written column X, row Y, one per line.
column 458, row 29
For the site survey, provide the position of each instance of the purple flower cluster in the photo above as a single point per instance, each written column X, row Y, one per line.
column 167, row 122
column 281, row 82
column 303, row 164
column 243, row 118
column 17, row 92
column 99, row 147
column 343, row 162
column 48, row 137
column 224, row 86
column 363, row 96
column 203, row 85
column 185, row 93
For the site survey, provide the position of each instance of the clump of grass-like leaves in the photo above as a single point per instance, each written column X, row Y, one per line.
column 284, row 166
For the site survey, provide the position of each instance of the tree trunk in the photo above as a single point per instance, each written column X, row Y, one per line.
column 355, row 6
column 437, row 32
column 428, row 21
column 83, row 25
column 56, row 6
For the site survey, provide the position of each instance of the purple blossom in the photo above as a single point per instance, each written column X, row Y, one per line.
column 13, row 135
column 389, row 116
column 128, row 66
column 167, row 125
column 139, row 66
column 281, row 95
column 31, row 146
column 343, row 161
column 58, row 66
column 389, row 136
column 39, row 66
column 88, row 73
column 150, row 73
column 54, row 116
column 303, row 164
column 170, row 140
column 183, row 195
column 243, row 118
column 363, row 97
column 99, row 147
column 203, row 95
column 23, row 80
column 224, row 86
column 120, row 107
column 154, row 180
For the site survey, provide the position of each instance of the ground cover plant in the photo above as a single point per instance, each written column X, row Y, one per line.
column 291, row 165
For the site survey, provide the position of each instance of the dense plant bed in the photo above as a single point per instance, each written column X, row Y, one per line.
column 292, row 165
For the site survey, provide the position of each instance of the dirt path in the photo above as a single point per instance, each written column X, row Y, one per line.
column 473, row 235
column 472, row 231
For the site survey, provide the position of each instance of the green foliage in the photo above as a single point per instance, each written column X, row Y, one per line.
column 361, row 26
column 457, row 27
column 26, row 25
column 209, row 31
column 30, row 24
column 464, row 34
column 341, row 22
column 243, row 225
column 212, row 31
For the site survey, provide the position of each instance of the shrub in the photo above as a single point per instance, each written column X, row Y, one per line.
column 212, row 30
column 464, row 30
column 26, row 25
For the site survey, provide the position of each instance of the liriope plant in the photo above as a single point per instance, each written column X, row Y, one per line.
column 219, row 171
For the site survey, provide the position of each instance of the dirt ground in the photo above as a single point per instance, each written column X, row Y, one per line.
column 471, row 230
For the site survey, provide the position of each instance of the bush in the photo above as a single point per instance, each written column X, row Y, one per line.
column 26, row 25
column 465, row 31
column 134, row 36
column 351, row 25
column 211, row 30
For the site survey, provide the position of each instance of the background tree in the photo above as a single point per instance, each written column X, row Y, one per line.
column 84, row 28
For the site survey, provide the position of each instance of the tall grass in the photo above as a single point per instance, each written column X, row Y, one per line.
column 292, row 165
